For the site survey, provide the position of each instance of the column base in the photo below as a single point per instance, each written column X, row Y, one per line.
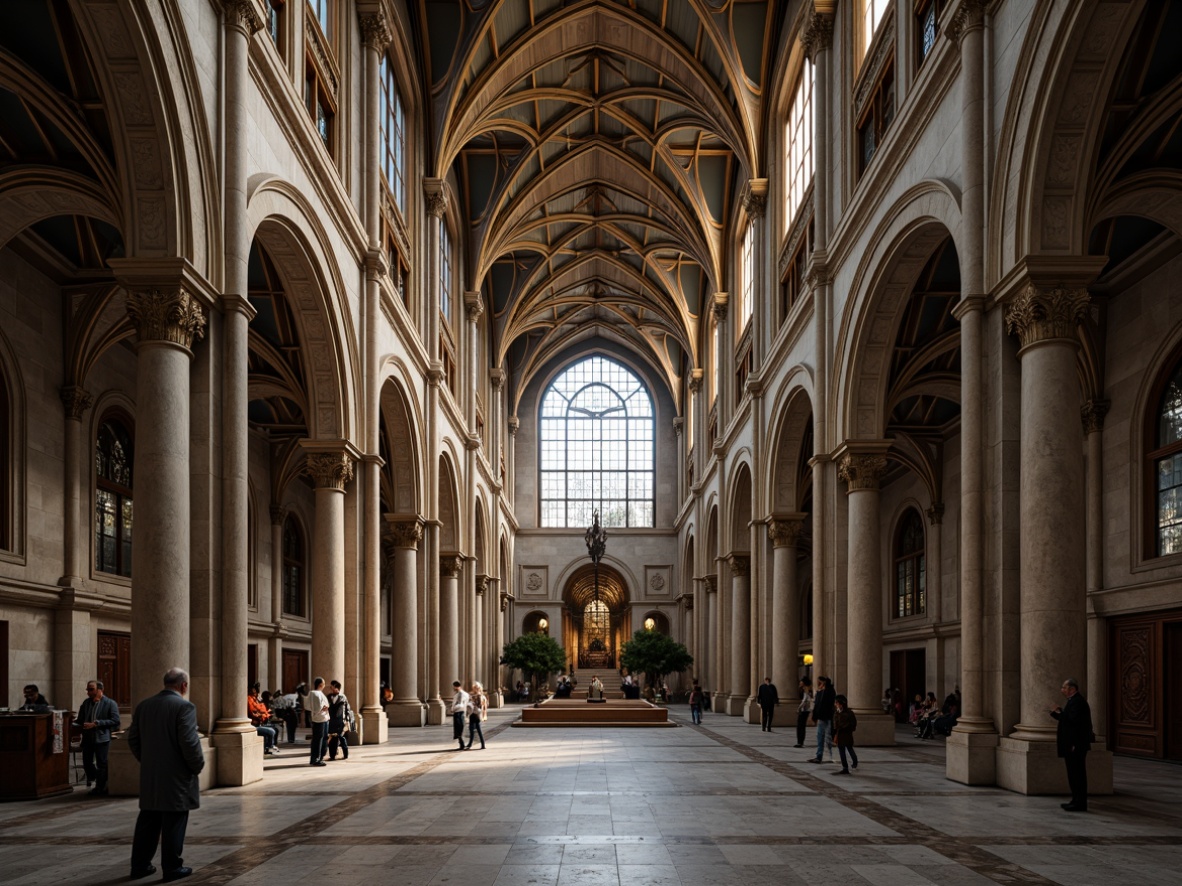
column 123, row 769
column 735, row 705
column 752, row 713
column 239, row 757
column 375, row 729
column 436, row 712
column 406, row 713
column 875, row 729
column 971, row 753
column 1034, row 767
column 496, row 699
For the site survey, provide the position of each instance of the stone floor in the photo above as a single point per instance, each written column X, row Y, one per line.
column 722, row 804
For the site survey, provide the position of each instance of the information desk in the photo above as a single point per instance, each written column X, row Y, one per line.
column 34, row 755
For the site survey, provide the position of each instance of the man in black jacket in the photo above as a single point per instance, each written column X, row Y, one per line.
column 768, row 698
column 98, row 717
column 1074, row 739
column 823, row 716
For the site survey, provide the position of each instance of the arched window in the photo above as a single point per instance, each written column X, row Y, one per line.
column 294, row 599
column 596, row 442
column 910, row 566
column 747, row 284
column 798, row 145
column 1165, row 457
column 113, row 456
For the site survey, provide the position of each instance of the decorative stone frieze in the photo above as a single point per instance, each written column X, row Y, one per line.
column 405, row 533
column 1092, row 415
column 784, row 533
column 76, row 400
column 329, row 470
column 169, row 316
column 375, row 32
column 818, row 36
column 862, row 471
column 450, row 565
column 242, row 15
column 740, row 564
column 1037, row 314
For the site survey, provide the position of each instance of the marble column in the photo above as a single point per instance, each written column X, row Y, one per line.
column 740, row 636
column 1052, row 549
column 1096, row 688
column 330, row 471
column 784, row 530
column 278, row 518
column 480, row 636
column 862, row 472
column 709, row 628
column 404, row 535
column 74, row 657
column 77, row 403
column 450, row 622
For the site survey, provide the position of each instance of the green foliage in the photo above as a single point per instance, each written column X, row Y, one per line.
column 535, row 654
column 654, row 654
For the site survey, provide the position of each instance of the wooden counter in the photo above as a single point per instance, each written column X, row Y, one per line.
column 31, row 768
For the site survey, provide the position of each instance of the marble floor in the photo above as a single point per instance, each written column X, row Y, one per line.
column 721, row 804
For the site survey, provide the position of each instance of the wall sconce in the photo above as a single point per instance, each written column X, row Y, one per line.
column 543, row 624
column 650, row 623
column 808, row 660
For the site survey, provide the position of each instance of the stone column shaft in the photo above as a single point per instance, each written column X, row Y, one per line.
column 278, row 516
column 449, row 622
column 77, row 402
column 785, row 615
column 740, row 635
column 1096, row 687
column 405, row 533
column 330, row 472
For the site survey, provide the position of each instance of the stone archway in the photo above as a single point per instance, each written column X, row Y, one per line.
column 595, row 624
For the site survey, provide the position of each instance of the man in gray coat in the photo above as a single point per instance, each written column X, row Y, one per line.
column 163, row 737
column 98, row 717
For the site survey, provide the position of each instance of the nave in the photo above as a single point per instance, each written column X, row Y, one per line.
column 723, row 804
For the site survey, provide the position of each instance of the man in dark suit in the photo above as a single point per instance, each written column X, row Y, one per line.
column 98, row 717
column 824, row 702
column 768, row 698
column 163, row 737
column 1074, row 739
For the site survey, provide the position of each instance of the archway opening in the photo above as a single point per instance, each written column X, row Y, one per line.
column 595, row 617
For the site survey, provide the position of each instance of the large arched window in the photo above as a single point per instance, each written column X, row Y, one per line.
column 596, row 447
column 113, row 456
column 798, row 145
column 293, row 569
column 1165, row 457
column 910, row 566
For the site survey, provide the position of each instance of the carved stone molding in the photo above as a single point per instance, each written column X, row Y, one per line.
column 436, row 196
column 740, row 564
column 755, row 197
column 719, row 304
column 818, row 275
column 450, row 565
column 243, row 16
column 514, row 423
column 862, row 471
column 481, row 585
column 784, row 533
column 76, row 400
column 1039, row 314
column 710, row 583
column 474, row 305
column 375, row 32
column 496, row 378
column 405, row 533
column 970, row 16
column 329, row 470
column 818, row 36
column 1092, row 415
column 278, row 515
column 505, row 598
column 172, row 316
column 695, row 380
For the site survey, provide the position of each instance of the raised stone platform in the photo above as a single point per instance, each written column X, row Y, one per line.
column 570, row 712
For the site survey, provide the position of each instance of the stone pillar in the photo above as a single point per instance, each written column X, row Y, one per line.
column 278, row 518
column 763, row 328
column 450, row 622
column 1096, row 688
column 709, row 628
column 330, row 472
column 1052, row 551
column 740, row 638
column 862, row 470
column 73, row 644
column 718, row 637
column 499, row 606
column 77, row 403
column 784, row 530
column 404, row 535
column 480, row 617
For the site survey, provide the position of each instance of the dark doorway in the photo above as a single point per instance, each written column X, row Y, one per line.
column 114, row 667
column 252, row 665
column 909, row 676
column 295, row 668
column 1172, row 675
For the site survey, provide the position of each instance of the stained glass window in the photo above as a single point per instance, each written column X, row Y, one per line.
column 113, row 454
column 910, row 567
column 1168, row 468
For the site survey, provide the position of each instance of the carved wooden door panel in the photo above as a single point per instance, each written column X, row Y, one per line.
column 1172, row 675
column 114, row 667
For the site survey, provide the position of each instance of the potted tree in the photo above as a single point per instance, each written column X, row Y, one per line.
column 537, row 655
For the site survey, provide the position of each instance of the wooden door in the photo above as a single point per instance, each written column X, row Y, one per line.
column 1135, row 693
column 1172, row 677
column 295, row 668
column 114, row 667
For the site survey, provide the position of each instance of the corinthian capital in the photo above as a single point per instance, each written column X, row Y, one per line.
column 405, row 533
column 474, row 305
column 719, row 305
column 1092, row 415
column 740, row 564
column 862, row 471
column 818, row 36
column 76, row 400
column 242, row 15
column 755, row 197
column 695, row 381
column 172, row 316
column 970, row 16
column 1038, row 314
column 436, row 197
column 785, row 532
column 329, row 470
column 375, row 32
column 450, row 565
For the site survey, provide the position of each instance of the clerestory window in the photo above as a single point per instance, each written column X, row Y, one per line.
column 910, row 567
column 113, row 456
column 1165, row 458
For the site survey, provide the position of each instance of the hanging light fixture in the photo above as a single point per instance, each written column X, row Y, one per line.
column 596, row 537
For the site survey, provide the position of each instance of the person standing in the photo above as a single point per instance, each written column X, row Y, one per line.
column 477, row 713
column 695, row 703
column 340, row 721
column 163, row 738
column 803, row 710
column 1074, row 738
column 844, row 725
column 768, row 698
column 317, row 706
column 98, row 717
column 823, row 707
column 596, row 688
column 459, row 709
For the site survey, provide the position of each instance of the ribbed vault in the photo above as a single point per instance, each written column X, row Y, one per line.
column 580, row 589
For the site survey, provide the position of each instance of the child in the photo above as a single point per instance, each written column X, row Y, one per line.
column 844, row 724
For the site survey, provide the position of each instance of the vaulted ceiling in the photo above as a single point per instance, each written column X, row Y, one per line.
column 599, row 147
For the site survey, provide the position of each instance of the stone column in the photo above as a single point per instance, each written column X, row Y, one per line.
column 755, row 205
column 1052, row 551
column 330, row 471
column 450, row 623
column 718, row 637
column 479, row 616
column 404, row 535
column 499, row 603
column 77, row 403
column 1092, row 413
column 740, row 638
column 723, row 397
column 709, row 628
column 278, row 518
column 784, row 530
column 862, row 471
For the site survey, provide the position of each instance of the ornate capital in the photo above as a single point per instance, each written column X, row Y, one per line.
column 172, row 316
column 740, row 564
column 505, row 598
column 818, row 36
column 474, row 305
column 450, row 565
column 678, row 425
column 817, row 275
column 1092, row 415
column 405, row 533
column 970, row 16
column 481, row 585
column 1036, row 314
column 784, row 533
column 76, row 401
column 436, row 197
column 755, row 197
column 278, row 515
column 514, row 423
column 496, row 378
column 375, row 32
column 718, row 305
column 711, row 584
column 329, row 470
column 242, row 16
column 695, row 381
column 862, row 471
column 936, row 513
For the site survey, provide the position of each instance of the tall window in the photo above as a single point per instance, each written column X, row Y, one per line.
column 393, row 136
column 798, row 141
column 747, row 295
column 1166, row 458
column 444, row 270
column 6, row 468
column 876, row 117
column 293, row 569
column 321, row 11
column 873, row 12
column 275, row 22
column 113, row 454
column 596, row 447
column 927, row 28
column 910, row 568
